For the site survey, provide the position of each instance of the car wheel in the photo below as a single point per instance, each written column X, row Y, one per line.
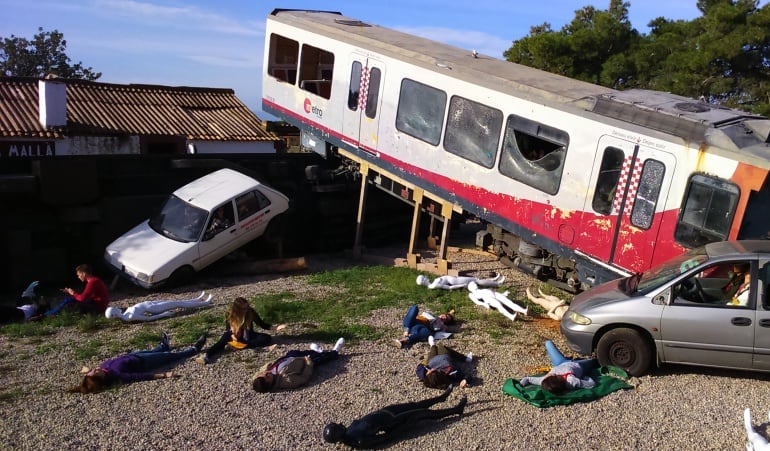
column 626, row 349
column 181, row 276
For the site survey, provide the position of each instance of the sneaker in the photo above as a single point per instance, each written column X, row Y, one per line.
column 469, row 357
column 199, row 343
column 340, row 343
column 315, row 347
column 165, row 341
column 203, row 360
column 431, row 340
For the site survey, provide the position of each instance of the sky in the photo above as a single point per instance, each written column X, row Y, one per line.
column 219, row 44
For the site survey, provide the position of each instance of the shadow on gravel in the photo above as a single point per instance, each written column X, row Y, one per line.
column 675, row 369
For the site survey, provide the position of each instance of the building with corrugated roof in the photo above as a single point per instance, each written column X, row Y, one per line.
column 60, row 117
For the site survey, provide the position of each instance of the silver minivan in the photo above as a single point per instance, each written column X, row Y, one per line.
column 706, row 307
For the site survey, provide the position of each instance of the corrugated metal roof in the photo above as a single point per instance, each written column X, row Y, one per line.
column 107, row 109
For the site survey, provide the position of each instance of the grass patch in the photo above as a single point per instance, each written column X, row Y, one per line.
column 11, row 395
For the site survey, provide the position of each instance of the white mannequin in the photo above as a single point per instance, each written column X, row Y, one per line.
column 153, row 310
column 457, row 282
column 756, row 441
column 556, row 308
column 492, row 299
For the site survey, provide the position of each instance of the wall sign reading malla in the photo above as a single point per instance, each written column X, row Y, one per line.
column 27, row 149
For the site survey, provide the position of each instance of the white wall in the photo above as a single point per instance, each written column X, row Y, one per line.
column 209, row 147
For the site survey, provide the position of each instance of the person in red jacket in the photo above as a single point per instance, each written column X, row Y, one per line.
column 93, row 299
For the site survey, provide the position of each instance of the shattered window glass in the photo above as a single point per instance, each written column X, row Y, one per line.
column 647, row 194
column 473, row 131
column 421, row 111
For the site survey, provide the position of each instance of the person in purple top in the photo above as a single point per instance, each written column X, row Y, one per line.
column 136, row 366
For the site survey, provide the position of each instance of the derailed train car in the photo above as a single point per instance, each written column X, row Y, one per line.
column 579, row 183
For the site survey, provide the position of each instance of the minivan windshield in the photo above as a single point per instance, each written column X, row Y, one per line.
column 667, row 271
column 179, row 220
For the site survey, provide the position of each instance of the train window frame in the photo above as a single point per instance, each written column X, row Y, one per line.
column 354, row 90
column 687, row 231
column 540, row 169
column 316, row 70
column 283, row 58
column 373, row 92
column 470, row 138
column 411, row 109
column 647, row 193
column 608, row 179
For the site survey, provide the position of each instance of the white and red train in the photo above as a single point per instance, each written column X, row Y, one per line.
column 579, row 183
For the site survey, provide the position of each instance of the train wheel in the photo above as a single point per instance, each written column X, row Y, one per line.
column 626, row 349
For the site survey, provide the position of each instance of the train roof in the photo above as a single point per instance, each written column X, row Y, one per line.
column 691, row 120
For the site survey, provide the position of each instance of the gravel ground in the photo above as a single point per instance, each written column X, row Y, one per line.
column 214, row 407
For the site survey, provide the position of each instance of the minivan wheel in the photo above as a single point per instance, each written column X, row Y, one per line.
column 626, row 349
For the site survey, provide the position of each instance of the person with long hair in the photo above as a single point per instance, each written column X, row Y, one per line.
column 565, row 375
column 294, row 368
column 239, row 331
column 136, row 366
column 441, row 367
column 418, row 326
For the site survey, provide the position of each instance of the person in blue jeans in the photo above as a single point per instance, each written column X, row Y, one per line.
column 419, row 326
column 566, row 374
column 136, row 366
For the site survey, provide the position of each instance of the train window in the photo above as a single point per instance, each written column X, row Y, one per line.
column 372, row 92
column 473, row 131
column 421, row 111
column 607, row 182
column 707, row 212
column 283, row 58
column 355, row 86
column 316, row 70
column 647, row 194
column 533, row 153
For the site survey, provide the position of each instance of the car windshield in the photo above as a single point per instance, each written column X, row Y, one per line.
column 661, row 274
column 179, row 220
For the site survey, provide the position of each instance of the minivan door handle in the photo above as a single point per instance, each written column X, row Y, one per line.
column 764, row 322
column 741, row 321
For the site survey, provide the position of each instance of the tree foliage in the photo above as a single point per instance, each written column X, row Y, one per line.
column 722, row 56
column 43, row 55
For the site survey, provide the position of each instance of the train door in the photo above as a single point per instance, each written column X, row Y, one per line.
column 361, row 118
column 630, row 182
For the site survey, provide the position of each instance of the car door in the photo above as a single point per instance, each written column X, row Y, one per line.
column 254, row 214
column 762, row 328
column 218, row 241
column 714, row 333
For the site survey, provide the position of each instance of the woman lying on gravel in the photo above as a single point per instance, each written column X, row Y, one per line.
column 136, row 366
column 441, row 368
column 565, row 375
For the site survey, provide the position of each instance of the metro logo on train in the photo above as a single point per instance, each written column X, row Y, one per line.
column 578, row 183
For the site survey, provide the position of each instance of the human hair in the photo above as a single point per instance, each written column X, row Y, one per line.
column 84, row 268
column 437, row 379
column 91, row 383
column 240, row 313
column 554, row 383
column 449, row 317
column 260, row 384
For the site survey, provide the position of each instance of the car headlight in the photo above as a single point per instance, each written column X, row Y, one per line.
column 577, row 318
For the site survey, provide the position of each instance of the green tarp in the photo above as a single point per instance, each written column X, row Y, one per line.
column 608, row 379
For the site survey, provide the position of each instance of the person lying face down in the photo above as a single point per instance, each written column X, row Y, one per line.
column 154, row 310
column 499, row 301
column 458, row 282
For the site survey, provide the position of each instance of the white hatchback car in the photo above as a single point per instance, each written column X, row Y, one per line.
column 197, row 225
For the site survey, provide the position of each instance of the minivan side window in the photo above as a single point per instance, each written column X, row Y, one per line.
column 250, row 203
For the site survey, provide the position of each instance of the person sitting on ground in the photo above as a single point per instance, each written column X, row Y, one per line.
column 390, row 422
column 457, row 282
column 499, row 301
column 30, row 309
column 440, row 368
column 239, row 331
column 419, row 326
column 136, row 366
column 555, row 307
column 153, row 310
column 294, row 368
column 93, row 299
column 565, row 375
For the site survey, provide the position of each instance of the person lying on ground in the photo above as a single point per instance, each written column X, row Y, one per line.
column 154, row 310
column 93, row 299
column 565, row 375
column 555, row 307
column 136, row 366
column 239, row 331
column 294, row 368
column 457, row 282
column 419, row 326
column 499, row 301
column 441, row 367
column 29, row 309
column 390, row 422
